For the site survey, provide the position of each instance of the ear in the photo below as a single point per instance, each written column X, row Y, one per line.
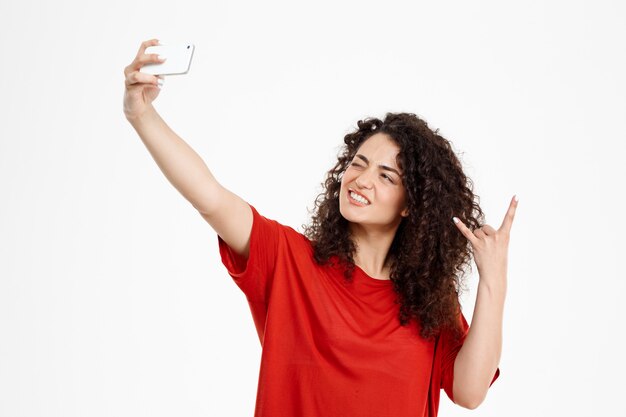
column 405, row 212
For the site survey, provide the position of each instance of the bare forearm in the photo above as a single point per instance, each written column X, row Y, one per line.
column 182, row 166
column 479, row 357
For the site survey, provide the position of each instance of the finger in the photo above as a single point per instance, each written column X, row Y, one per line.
column 148, row 59
column 488, row 230
column 510, row 215
column 137, row 77
column 466, row 232
column 145, row 44
column 140, row 57
column 142, row 60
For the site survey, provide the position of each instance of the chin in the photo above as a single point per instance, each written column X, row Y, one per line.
column 350, row 216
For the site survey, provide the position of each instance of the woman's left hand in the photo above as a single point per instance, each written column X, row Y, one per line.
column 491, row 247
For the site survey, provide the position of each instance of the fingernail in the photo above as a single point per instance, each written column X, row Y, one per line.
column 160, row 82
column 454, row 219
column 162, row 57
column 516, row 198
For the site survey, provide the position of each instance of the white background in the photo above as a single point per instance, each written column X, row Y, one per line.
column 113, row 299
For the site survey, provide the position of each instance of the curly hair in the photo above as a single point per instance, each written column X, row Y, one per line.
column 428, row 256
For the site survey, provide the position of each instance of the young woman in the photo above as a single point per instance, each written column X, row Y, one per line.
column 360, row 314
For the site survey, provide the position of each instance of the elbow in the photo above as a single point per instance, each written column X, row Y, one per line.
column 207, row 201
column 471, row 403
column 468, row 395
column 473, row 406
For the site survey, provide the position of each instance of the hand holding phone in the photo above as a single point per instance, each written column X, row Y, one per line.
column 141, row 89
column 178, row 59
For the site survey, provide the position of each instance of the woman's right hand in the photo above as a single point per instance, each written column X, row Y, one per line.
column 141, row 89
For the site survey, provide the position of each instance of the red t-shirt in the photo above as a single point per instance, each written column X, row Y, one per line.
column 332, row 348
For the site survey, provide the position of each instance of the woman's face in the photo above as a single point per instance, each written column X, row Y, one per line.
column 382, row 187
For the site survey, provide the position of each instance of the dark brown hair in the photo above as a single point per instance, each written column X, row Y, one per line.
column 429, row 256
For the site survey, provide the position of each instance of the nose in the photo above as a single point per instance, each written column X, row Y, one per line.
column 364, row 180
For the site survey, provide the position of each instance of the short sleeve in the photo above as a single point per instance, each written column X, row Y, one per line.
column 254, row 275
column 449, row 350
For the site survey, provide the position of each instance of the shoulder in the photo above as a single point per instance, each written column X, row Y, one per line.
column 286, row 233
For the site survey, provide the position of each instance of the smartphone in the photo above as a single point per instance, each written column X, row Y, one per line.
column 178, row 59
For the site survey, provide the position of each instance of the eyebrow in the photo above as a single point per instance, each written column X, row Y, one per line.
column 385, row 167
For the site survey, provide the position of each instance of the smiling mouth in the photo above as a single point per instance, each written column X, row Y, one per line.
column 362, row 203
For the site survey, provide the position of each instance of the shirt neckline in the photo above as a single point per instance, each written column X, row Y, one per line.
column 371, row 279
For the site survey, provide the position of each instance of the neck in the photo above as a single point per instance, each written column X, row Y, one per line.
column 372, row 248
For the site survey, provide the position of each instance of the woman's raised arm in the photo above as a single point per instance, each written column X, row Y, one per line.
column 228, row 214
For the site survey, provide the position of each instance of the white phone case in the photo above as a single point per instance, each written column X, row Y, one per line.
column 178, row 59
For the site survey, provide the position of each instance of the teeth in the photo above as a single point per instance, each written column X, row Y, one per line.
column 358, row 198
